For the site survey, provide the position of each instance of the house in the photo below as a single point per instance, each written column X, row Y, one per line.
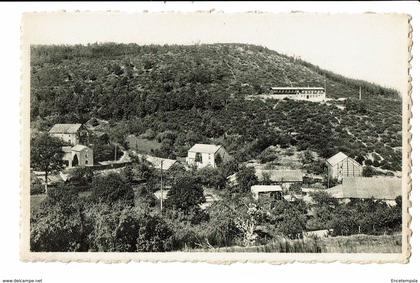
column 380, row 188
column 285, row 178
column 340, row 165
column 314, row 94
column 159, row 163
column 202, row 155
column 70, row 133
column 257, row 189
column 78, row 155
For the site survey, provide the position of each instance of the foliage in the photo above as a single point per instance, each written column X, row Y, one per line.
column 186, row 193
column 105, row 152
column 59, row 225
column 212, row 177
column 114, row 227
column 81, row 177
column 111, row 188
column 154, row 234
column 246, row 178
column 197, row 92
column 46, row 154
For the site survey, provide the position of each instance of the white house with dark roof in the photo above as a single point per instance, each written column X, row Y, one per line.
column 78, row 155
column 202, row 155
column 69, row 133
column 340, row 165
column 381, row 188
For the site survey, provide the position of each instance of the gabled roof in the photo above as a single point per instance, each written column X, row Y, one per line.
column 65, row 128
column 157, row 161
column 205, row 148
column 384, row 188
column 79, row 147
column 279, row 175
column 336, row 158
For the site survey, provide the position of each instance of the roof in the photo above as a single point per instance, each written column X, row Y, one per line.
column 291, row 88
column 79, row 147
column 265, row 188
column 384, row 188
column 66, row 149
column 337, row 158
column 205, row 148
column 65, row 128
column 157, row 161
column 281, row 175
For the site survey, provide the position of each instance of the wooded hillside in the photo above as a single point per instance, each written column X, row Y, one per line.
column 198, row 92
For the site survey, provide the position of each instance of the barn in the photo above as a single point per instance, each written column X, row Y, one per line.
column 340, row 165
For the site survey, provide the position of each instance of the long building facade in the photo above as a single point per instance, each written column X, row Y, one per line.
column 314, row 94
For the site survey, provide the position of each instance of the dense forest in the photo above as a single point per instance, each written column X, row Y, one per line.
column 198, row 93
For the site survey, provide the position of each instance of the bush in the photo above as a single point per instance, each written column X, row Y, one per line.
column 37, row 189
column 111, row 188
column 155, row 235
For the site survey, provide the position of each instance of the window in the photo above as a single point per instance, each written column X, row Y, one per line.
column 198, row 157
column 86, row 162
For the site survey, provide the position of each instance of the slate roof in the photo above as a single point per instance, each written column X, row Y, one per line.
column 65, row 128
column 384, row 188
column 205, row 148
column 336, row 158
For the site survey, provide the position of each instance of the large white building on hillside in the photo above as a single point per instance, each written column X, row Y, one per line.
column 203, row 155
column 314, row 94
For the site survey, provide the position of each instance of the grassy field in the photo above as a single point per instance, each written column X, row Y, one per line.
column 342, row 244
column 142, row 145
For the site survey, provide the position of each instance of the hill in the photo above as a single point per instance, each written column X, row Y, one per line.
column 196, row 93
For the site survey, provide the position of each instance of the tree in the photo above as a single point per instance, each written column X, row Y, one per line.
column 154, row 234
column 81, row 177
column 246, row 178
column 114, row 227
column 46, row 155
column 60, row 225
column 111, row 188
column 185, row 193
column 368, row 171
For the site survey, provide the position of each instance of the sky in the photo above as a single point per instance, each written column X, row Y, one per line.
column 372, row 47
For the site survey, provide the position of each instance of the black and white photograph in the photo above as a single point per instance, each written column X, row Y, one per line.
column 215, row 137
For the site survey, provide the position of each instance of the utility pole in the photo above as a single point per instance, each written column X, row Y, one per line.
column 328, row 178
column 161, row 186
column 115, row 152
column 325, row 85
column 360, row 93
